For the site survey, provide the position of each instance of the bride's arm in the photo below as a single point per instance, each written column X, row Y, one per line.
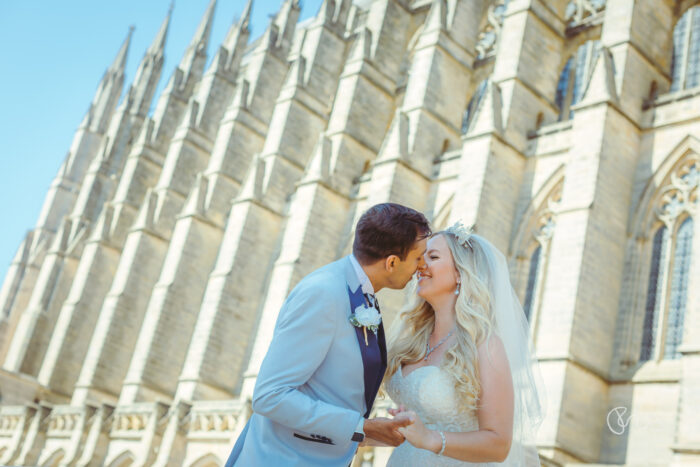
column 491, row 442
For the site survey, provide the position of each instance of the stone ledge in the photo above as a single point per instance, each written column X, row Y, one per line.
column 665, row 371
column 686, row 448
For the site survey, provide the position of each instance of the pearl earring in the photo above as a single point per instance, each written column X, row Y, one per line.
column 457, row 289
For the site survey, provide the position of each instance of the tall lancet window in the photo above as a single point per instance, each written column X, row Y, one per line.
column 532, row 281
column 574, row 76
column 669, row 268
column 535, row 254
column 654, row 291
column 679, row 288
column 685, row 62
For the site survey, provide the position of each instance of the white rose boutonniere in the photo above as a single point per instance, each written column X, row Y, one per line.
column 366, row 317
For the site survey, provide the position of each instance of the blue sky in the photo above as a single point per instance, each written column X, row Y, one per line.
column 53, row 56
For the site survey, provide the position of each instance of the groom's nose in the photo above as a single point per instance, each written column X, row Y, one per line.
column 421, row 264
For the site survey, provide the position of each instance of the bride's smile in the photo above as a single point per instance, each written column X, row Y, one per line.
column 439, row 276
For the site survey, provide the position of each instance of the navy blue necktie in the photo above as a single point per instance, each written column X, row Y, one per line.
column 372, row 301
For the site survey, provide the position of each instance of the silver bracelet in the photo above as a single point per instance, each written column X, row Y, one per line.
column 444, row 441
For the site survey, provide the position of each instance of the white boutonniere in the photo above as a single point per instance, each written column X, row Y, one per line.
column 366, row 317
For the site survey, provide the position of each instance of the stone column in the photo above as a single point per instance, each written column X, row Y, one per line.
column 161, row 347
column 583, row 282
column 236, row 286
column 319, row 210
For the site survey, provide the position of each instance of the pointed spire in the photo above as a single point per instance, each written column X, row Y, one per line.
column 200, row 40
column 238, row 28
column 108, row 91
column 232, row 48
column 158, row 45
column 327, row 11
column 286, row 20
column 119, row 63
column 148, row 73
column 244, row 21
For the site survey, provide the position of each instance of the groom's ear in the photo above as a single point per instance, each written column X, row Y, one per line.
column 391, row 262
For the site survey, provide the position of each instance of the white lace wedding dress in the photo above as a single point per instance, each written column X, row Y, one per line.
column 430, row 392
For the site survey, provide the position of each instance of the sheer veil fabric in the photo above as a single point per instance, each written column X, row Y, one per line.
column 513, row 329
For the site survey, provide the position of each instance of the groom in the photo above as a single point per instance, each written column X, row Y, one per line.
column 327, row 358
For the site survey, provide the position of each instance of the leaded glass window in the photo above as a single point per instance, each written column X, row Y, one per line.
column 667, row 290
column 679, row 288
column 563, row 86
column 532, row 278
column 685, row 61
column 654, row 292
column 574, row 77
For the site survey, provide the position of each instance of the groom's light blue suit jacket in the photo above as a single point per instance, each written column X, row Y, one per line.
column 310, row 392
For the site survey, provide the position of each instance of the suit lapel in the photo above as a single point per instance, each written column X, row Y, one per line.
column 358, row 299
column 374, row 352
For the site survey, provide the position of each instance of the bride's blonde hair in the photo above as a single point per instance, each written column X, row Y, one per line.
column 475, row 322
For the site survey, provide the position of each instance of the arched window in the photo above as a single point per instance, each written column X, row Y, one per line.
column 537, row 233
column 654, row 295
column 685, row 62
column 669, row 269
column 679, row 289
column 532, row 278
column 574, row 76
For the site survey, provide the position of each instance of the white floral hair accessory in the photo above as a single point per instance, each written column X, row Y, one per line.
column 462, row 234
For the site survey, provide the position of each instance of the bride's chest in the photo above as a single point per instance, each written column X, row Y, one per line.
column 427, row 390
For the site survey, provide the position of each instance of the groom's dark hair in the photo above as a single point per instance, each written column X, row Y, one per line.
column 388, row 229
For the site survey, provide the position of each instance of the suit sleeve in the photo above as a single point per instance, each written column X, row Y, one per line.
column 305, row 328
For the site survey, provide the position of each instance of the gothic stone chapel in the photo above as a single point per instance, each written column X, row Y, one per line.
column 136, row 312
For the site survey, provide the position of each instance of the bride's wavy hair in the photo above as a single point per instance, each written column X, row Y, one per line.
column 475, row 322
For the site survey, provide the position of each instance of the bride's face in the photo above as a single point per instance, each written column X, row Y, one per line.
column 439, row 276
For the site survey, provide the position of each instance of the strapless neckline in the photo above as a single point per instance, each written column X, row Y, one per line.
column 417, row 369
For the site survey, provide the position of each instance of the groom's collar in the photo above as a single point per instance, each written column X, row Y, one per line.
column 365, row 283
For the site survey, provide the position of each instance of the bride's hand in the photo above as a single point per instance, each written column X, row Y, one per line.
column 417, row 434
column 395, row 412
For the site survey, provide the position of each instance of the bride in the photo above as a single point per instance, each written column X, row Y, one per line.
column 461, row 362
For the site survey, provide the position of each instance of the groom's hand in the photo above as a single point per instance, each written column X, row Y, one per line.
column 386, row 429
